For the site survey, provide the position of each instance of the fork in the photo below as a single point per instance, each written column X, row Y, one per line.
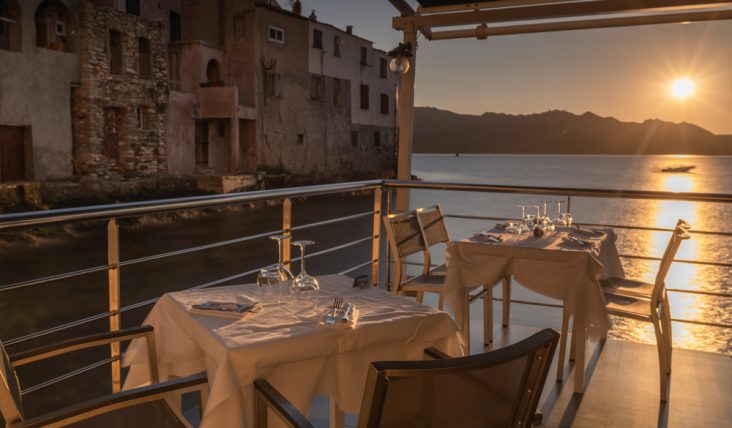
column 337, row 304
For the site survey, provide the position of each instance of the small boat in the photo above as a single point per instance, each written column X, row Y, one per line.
column 678, row 168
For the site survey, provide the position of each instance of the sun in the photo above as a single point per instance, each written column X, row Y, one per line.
column 682, row 88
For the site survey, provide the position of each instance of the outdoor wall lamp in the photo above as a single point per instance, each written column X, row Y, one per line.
column 400, row 58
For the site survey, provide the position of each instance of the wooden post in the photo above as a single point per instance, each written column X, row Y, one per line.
column 406, row 118
column 376, row 244
column 113, row 275
column 287, row 231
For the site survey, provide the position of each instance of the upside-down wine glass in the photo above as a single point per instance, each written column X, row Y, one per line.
column 304, row 288
column 272, row 280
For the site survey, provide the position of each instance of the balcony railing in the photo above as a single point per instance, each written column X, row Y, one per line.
column 381, row 190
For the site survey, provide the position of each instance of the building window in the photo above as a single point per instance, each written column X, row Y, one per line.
column 354, row 138
column 115, row 52
column 300, row 138
column 384, row 104
column 382, row 68
column 221, row 127
column 317, row 88
column 174, row 26
column 377, row 139
column 317, row 39
column 55, row 27
column 144, row 58
column 337, row 92
column 364, row 97
column 276, row 34
column 10, row 37
column 239, row 26
column 132, row 7
column 201, row 144
column 337, row 46
column 139, row 121
column 272, row 83
column 364, row 55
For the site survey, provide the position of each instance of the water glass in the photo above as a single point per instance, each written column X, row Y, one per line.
column 270, row 283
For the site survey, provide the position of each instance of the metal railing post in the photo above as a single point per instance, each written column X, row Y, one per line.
column 388, row 254
column 114, row 313
column 376, row 245
column 287, row 231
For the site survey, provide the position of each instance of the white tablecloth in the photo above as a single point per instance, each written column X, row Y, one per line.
column 550, row 266
column 299, row 357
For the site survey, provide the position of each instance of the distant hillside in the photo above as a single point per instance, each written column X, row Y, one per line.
column 442, row 131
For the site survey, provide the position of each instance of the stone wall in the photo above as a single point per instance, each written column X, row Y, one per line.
column 141, row 103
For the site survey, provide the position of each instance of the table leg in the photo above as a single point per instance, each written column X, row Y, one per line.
column 506, row 301
column 337, row 417
column 579, row 337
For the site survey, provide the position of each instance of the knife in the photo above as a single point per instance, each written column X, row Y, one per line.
column 347, row 309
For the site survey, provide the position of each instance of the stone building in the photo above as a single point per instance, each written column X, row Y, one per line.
column 119, row 109
column 118, row 89
column 39, row 66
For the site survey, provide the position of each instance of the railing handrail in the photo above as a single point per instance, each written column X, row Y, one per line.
column 562, row 191
column 131, row 209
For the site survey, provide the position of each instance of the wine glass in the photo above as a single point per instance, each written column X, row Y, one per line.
column 559, row 221
column 282, row 271
column 304, row 288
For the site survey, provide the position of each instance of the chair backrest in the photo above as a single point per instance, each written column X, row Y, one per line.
column 680, row 233
column 496, row 389
column 405, row 238
column 11, row 405
column 433, row 225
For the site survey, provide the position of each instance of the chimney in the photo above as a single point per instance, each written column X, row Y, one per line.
column 297, row 8
column 312, row 16
column 349, row 29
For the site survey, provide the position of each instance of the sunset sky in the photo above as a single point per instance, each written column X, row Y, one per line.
column 626, row 72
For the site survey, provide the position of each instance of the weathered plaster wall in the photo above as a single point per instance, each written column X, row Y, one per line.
column 348, row 66
column 188, row 61
column 141, row 150
column 35, row 92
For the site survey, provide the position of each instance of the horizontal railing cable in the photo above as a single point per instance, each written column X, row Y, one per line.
column 357, row 267
column 198, row 248
column 70, row 375
column 333, row 221
column 133, row 209
column 51, row 278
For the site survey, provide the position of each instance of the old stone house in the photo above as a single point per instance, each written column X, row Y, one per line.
column 116, row 89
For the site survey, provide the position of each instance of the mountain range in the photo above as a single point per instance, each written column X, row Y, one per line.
column 559, row 132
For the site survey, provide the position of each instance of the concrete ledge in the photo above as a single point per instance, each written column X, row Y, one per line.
column 226, row 183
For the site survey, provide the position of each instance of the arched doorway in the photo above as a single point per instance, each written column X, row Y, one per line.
column 55, row 27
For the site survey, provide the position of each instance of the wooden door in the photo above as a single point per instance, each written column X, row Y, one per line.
column 12, row 153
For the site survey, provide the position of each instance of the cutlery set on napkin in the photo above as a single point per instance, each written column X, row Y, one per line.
column 496, row 239
column 226, row 309
column 340, row 315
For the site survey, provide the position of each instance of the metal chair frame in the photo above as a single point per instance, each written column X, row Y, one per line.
column 11, row 403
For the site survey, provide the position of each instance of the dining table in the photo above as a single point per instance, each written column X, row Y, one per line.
column 566, row 264
column 286, row 344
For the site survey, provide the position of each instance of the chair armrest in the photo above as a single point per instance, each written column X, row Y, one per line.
column 78, row 343
column 120, row 400
column 266, row 397
column 436, row 354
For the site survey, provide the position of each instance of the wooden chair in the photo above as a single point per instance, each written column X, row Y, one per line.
column 406, row 237
column 146, row 406
column 435, row 232
column 495, row 389
column 635, row 300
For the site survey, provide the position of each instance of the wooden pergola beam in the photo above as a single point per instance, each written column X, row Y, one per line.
column 540, row 10
column 406, row 11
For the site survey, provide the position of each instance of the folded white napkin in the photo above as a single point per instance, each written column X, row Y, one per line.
column 340, row 325
column 232, row 309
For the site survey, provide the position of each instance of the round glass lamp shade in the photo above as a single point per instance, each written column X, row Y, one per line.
column 399, row 65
